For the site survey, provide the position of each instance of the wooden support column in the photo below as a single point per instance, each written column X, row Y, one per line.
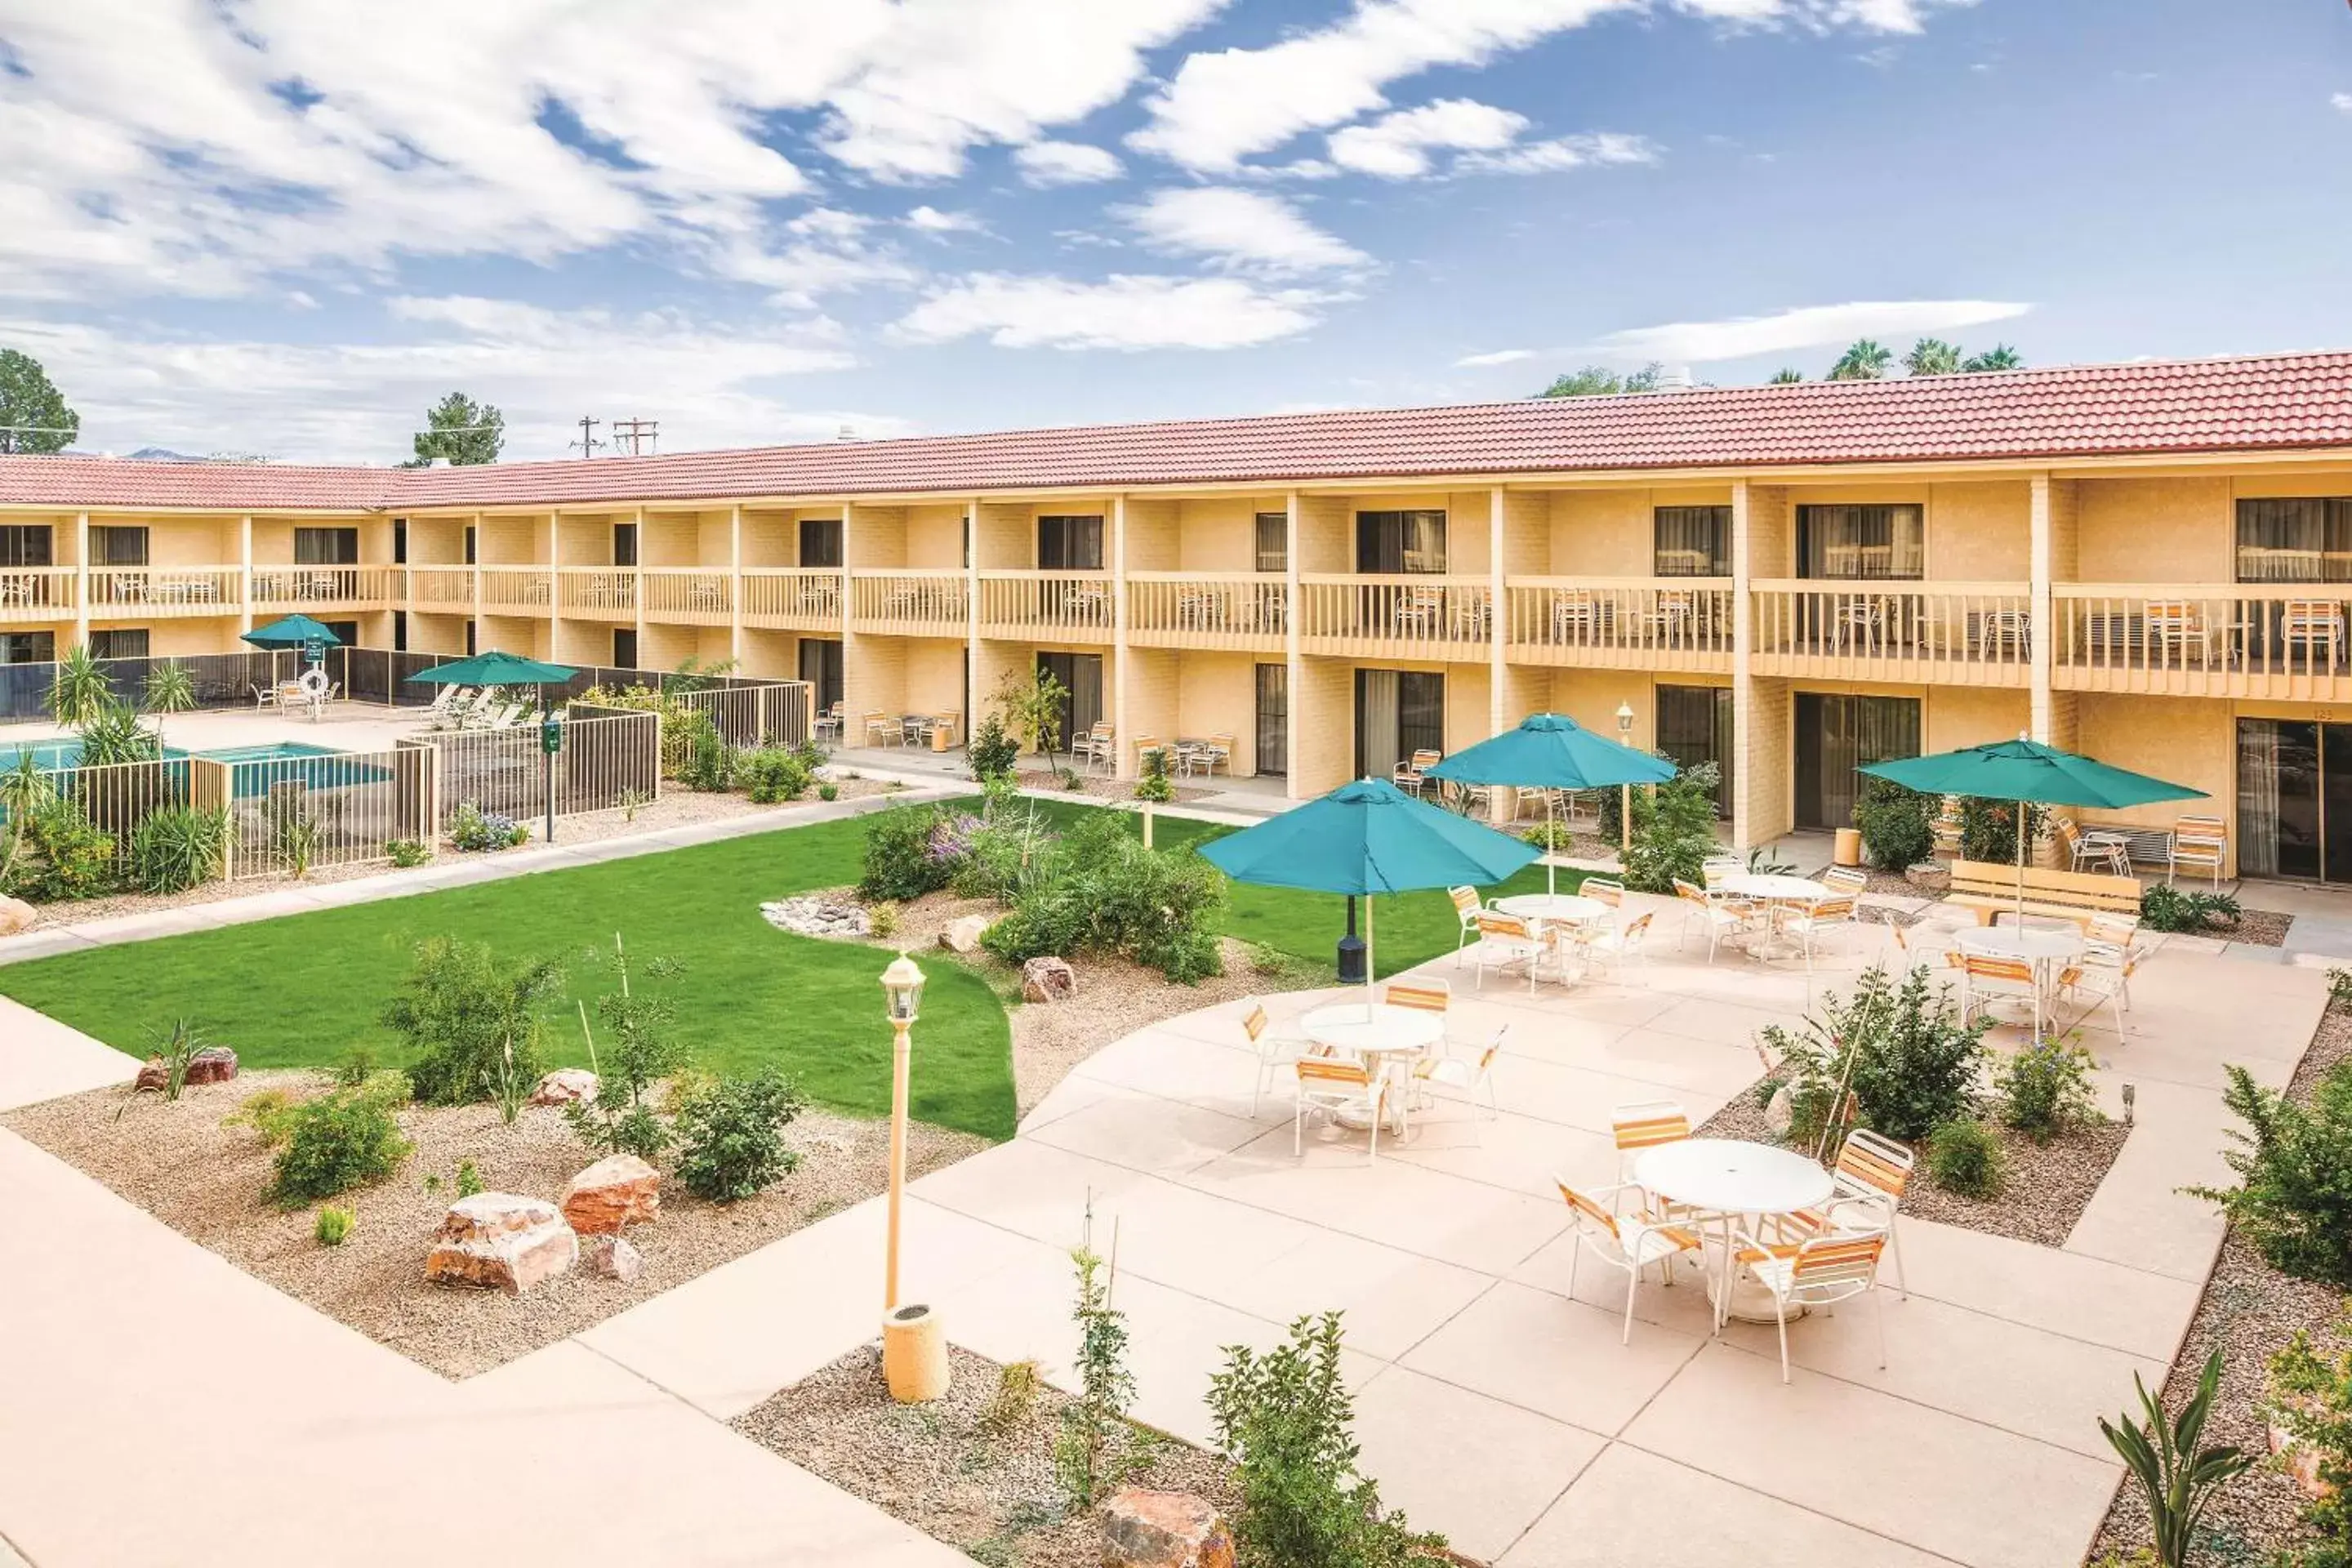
column 1292, row 647
column 1502, row 805
column 245, row 573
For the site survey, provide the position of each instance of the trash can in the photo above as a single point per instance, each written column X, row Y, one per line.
column 1848, row 852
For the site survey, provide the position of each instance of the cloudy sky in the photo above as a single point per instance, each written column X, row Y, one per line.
column 283, row 227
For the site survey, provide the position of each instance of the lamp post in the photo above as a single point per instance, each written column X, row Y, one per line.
column 914, row 1353
column 1625, row 802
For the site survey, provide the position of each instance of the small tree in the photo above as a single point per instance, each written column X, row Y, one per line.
column 459, row 431
column 1032, row 706
column 643, row 1047
column 1679, row 835
column 81, row 689
column 461, row 1012
column 1097, row 1419
column 34, row 415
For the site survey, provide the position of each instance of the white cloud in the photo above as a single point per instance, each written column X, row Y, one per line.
column 709, row 382
column 2340, row 101
column 1560, row 153
column 931, row 220
column 1499, row 356
column 1243, row 229
column 1119, row 312
column 1810, row 327
column 1397, row 146
column 1066, row 164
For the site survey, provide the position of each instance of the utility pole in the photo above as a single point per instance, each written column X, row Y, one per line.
column 587, row 442
column 636, row 437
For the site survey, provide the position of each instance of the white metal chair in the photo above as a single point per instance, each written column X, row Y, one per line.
column 1334, row 1087
column 1812, row 922
column 1628, row 1243
column 1719, row 919
column 1410, row 774
column 1868, row 1184
column 1275, row 1051
column 1846, row 880
column 1645, row 1124
column 1986, row 978
column 1467, row 906
column 830, row 724
column 2111, row 943
column 1465, row 1077
column 1505, row 940
column 1613, row 949
column 2096, row 984
column 1820, row 1272
column 2093, row 849
column 879, row 728
column 2200, row 843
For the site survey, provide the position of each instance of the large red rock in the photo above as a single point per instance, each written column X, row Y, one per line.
column 1164, row 1529
column 17, row 915
column 617, row 1190
column 1048, row 979
column 565, row 1085
column 501, row 1241
column 214, row 1064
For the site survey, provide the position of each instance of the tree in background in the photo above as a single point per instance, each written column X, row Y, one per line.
column 461, row 431
column 34, row 415
column 2001, row 356
column 1932, row 356
column 1600, row 381
column 1866, row 361
column 1786, row 375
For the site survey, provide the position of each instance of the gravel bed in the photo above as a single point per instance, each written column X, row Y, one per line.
column 2048, row 1185
column 2249, row 1312
column 938, row 1466
column 2256, row 928
column 75, row 912
column 1102, row 788
column 176, row 1160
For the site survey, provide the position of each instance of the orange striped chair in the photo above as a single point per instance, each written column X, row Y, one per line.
column 1819, row 919
column 1870, row 1176
column 1332, row 1086
column 1275, row 1052
column 1819, row 1272
column 1645, row 1124
column 1465, row 1077
column 1467, row 906
column 1505, row 940
column 1626, row 1242
column 1988, row 977
column 1426, row 996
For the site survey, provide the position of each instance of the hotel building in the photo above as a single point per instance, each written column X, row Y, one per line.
column 2149, row 562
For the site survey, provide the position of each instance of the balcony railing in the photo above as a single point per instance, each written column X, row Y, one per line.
column 909, row 602
column 39, row 593
column 449, row 588
column 511, row 589
column 2285, row 641
column 1970, row 633
column 1199, row 609
column 1396, row 617
column 794, row 598
column 1072, row 606
column 1637, row 623
column 165, row 590
column 597, row 592
column 304, row 587
column 686, row 594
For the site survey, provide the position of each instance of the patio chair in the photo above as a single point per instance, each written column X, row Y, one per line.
column 1334, row 1087
column 1820, row 1272
column 1868, row 1183
column 1645, row 1124
column 2180, row 632
column 442, row 699
column 830, row 724
column 1425, row 995
column 1468, row 906
column 1575, row 615
column 1846, row 880
column 1099, row 744
column 2111, row 941
column 1628, row 1243
column 880, row 730
column 1505, row 940
column 2093, row 849
column 1613, row 949
column 1217, row 751
column 2199, row 843
column 1275, row 1052
column 1608, row 890
column 1811, row 923
column 266, row 697
column 1145, row 745
column 2313, row 628
column 1407, row 775
column 2093, row 984
column 1720, row 920
column 506, row 717
column 1465, row 1079
column 1986, row 978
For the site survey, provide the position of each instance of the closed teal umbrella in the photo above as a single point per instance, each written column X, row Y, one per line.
column 1366, row 838
column 1549, row 751
column 2029, row 771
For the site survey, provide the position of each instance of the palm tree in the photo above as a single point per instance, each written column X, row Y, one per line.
column 2001, row 356
column 1866, row 361
column 1786, row 375
column 81, row 688
column 25, row 792
column 169, row 689
column 1932, row 356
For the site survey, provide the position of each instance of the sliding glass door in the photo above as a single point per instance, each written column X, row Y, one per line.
column 1081, row 677
column 1398, row 712
column 2295, row 799
column 820, row 665
column 1694, row 727
column 1274, row 718
column 1837, row 734
column 1391, row 542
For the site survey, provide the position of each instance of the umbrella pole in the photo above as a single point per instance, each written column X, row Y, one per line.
column 1551, row 851
column 1371, row 970
column 2021, row 865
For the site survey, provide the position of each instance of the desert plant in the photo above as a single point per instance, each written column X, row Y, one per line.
column 882, row 920
column 2165, row 908
column 710, row 764
column 1265, row 958
column 1285, row 1420
column 641, row 1047
column 406, row 853
column 1897, row 824
column 730, row 1134
column 772, row 774
column 295, row 836
column 2310, row 1399
column 2293, row 1162
column 169, row 688
column 65, row 857
column 332, row 1224
column 469, row 1179
column 993, row 753
column 24, row 792
column 178, row 847
column 828, row 791
column 337, row 1142
column 175, row 1047
column 355, row 1066
column 1098, row 890
column 110, row 733
column 2177, row 1478
column 902, row 861
column 1097, row 1419
column 476, row 831
column 1965, row 1157
column 459, row 1009
column 269, row 1112
column 2045, row 1088
column 1549, row 836
column 1899, row 1047
column 633, row 800
column 1153, row 786
column 1679, row 835
column 508, row 1088
column 80, row 687
column 1014, row 1400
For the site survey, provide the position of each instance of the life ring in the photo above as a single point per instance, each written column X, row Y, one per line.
column 314, row 683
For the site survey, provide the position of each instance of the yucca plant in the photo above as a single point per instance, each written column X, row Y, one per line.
column 169, row 689
column 81, row 686
column 2179, row 1477
column 179, row 847
column 25, row 791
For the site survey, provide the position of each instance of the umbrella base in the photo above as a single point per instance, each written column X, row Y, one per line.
column 1351, row 961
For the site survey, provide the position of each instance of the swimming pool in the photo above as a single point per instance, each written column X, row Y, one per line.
column 254, row 770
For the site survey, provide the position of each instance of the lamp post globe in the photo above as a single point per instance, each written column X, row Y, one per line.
column 902, row 985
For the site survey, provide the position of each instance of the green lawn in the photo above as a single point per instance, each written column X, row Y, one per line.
column 304, row 990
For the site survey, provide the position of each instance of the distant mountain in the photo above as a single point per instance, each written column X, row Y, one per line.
column 161, row 455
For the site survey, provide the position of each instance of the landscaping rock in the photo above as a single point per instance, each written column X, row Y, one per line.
column 214, row 1064
column 501, row 1241
column 565, row 1085
column 1779, row 1114
column 2300, row 1460
column 817, row 917
column 617, row 1190
column 1047, row 980
column 613, row 1258
column 15, row 915
column 964, row 935
column 1164, row 1529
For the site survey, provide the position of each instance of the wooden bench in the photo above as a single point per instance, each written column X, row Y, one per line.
column 1989, row 887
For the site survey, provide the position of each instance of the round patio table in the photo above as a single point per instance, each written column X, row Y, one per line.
column 2040, row 946
column 1566, row 908
column 1772, row 889
column 1386, row 1038
column 1727, row 1179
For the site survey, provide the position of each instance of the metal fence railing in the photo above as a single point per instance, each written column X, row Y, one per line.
column 609, row 756
column 335, row 809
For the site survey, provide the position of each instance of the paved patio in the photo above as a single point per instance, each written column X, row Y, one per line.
column 1491, row 1405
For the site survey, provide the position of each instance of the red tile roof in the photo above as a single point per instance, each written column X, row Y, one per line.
column 2266, row 404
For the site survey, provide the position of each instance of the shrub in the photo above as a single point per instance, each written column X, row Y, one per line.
column 1009, row 1408
column 2294, row 1162
column 1099, row 890
column 992, row 752
column 1897, row 824
column 1003, row 853
column 335, row 1143
column 1914, row 1062
column 828, row 791
column 900, row 859
column 1153, row 786
column 458, row 1010
column 476, row 831
column 1070, row 779
column 404, row 853
column 2165, row 908
column 641, row 1046
column 2045, row 1090
column 469, row 1179
column 882, row 920
column 269, row 1112
column 2311, row 1399
column 333, row 1223
column 178, row 849
column 772, row 774
column 1266, row 959
column 1988, row 828
column 1965, row 1157
column 730, row 1134
column 1549, row 836
column 1097, row 1417
column 1679, row 836
column 68, row 856
column 175, row 1048
column 1284, row 1419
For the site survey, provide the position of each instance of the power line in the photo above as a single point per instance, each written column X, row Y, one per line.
column 588, row 443
column 636, row 437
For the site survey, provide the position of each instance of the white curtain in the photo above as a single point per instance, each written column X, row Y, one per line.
column 2258, row 797
column 1377, row 743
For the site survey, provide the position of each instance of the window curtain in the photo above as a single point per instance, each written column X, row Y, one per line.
column 24, row 544
column 1837, row 734
column 2298, row 539
column 1693, row 540
column 1379, row 746
column 326, row 547
column 1393, row 543
column 1868, row 542
column 118, row 546
column 821, row 542
column 1069, row 545
column 2259, row 773
column 1273, row 541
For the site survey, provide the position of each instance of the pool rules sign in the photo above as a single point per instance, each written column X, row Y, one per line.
column 551, row 741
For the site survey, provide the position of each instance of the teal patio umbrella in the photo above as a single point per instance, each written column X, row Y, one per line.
column 496, row 668
column 2029, row 772
column 1549, row 751
column 293, row 631
column 1367, row 839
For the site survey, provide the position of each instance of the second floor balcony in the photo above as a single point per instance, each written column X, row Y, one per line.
column 320, row 587
column 1634, row 623
column 686, row 594
column 1975, row 634
column 1244, row 610
column 794, row 598
column 2282, row 641
column 1407, row 615
column 152, row 590
column 29, row 594
column 1047, row 606
column 910, row 602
